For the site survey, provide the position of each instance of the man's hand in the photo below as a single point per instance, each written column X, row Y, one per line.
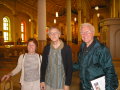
column 66, row 87
column 5, row 77
column 42, row 86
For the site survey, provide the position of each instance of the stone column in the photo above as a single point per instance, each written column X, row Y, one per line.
column 85, row 19
column 114, row 8
column 14, row 38
column 85, row 11
column 41, row 24
column 79, row 20
column 68, row 22
column 1, row 30
column 117, row 3
column 32, row 28
column 119, row 9
column 95, row 23
column 1, row 24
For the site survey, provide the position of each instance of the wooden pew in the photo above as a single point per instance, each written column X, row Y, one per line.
column 6, row 85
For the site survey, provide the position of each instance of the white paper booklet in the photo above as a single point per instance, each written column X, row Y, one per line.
column 99, row 83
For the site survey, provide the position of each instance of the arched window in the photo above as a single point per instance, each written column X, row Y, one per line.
column 6, row 28
column 23, row 27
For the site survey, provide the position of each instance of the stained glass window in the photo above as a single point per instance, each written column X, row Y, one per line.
column 23, row 31
column 6, row 25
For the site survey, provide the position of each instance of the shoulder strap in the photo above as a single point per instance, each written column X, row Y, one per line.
column 23, row 55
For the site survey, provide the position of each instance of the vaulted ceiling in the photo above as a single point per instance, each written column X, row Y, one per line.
column 60, row 6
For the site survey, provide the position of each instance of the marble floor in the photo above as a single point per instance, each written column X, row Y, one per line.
column 8, row 64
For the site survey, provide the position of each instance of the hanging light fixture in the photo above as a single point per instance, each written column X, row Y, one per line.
column 75, row 19
column 96, row 8
column 56, row 14
column 98, row 14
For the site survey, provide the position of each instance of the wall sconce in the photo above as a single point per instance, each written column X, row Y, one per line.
column 75, row 19
column 98, row 14
column 29, row 20
column 54, row 21
column 56, row 14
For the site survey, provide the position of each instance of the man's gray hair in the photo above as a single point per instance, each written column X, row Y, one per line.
column 91, row 27
column 53, row 28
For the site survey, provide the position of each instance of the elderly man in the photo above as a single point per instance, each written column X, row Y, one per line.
column 56, row 68
column 94, row 61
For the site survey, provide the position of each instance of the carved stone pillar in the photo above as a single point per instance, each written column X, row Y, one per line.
column 110, row 32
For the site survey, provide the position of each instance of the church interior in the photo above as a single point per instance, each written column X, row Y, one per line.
column 24, row 19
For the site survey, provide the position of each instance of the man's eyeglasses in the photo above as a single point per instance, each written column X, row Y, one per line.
column 87, row 32
column 53, row 33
